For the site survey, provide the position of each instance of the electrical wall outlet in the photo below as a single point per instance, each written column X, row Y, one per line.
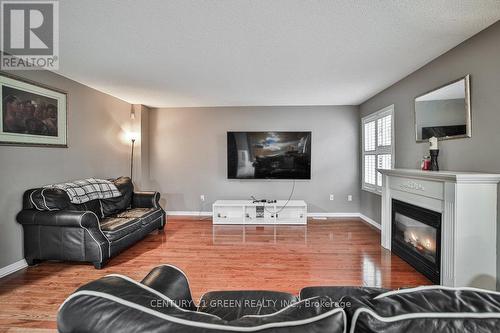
column 202, row 197
column 332, row 197
column 349, row 197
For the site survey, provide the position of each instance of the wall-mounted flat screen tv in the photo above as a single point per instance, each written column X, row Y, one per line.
column 269, row 155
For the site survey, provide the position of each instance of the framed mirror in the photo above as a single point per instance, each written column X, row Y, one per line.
column 444, row 112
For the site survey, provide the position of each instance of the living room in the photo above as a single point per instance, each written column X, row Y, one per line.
column 257, row 166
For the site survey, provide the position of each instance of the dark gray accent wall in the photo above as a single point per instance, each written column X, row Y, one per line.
column 479, row 56
column 189, row 148
column 97, row 148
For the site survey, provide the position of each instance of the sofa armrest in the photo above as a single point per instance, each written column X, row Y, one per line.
column 146, row 200
column 57, row 234
column 62, row 218
column 173, row 283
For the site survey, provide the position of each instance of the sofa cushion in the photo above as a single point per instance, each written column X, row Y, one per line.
column 46, row 199
column 147, row 215
column 112, row 206
column 315, row 314
column 117, row 227
column 232, row 305
column 427, row 309
column 152, row 216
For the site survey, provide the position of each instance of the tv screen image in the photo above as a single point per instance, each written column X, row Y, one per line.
column 269, row 155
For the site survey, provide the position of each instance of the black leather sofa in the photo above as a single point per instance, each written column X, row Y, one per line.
column 162, row 303
column 95, row 231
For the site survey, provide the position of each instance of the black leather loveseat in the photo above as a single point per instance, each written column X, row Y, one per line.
column 94, row 231
column 162, row 303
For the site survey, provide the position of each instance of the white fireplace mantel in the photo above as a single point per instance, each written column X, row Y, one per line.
column 468, row 204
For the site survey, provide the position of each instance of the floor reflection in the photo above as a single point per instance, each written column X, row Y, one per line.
column 265, row 234
column 371, row 274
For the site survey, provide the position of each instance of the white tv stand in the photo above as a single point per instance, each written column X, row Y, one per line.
column 248, row 212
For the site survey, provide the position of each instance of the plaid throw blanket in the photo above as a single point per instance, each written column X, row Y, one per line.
column 80, row 191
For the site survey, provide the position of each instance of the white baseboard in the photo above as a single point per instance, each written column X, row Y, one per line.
column 346, row 215
column 312, row 215
column 370, row 221
column 13, row 268
column 187, row 213
column 333, row 215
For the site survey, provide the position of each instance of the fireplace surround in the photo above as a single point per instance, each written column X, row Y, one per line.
column 467, row 203
column 416, row 238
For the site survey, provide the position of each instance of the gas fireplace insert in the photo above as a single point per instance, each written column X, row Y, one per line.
column 416, row 238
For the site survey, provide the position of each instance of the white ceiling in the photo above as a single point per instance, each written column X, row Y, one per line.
column 258, row 52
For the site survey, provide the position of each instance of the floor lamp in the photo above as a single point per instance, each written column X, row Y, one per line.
column 133, row 137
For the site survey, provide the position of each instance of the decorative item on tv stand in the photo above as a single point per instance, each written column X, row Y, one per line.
column 260, row 212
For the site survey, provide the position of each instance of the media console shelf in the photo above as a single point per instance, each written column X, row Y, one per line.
column 248, row 212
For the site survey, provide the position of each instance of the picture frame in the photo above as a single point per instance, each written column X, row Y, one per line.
column 32, row 114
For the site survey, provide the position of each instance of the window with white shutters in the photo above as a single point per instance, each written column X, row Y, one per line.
column 384, row 131
column 370, row 143
column 378, row 147
column 370, row 169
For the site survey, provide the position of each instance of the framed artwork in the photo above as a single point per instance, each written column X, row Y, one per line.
column 32, row 114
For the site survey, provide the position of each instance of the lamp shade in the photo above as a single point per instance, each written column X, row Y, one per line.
column 132, row 136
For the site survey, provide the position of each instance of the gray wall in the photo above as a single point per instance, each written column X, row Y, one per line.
column 479, row 57
column 96, row 125
column 188, row 155
column 141, row 148
column 145, row 157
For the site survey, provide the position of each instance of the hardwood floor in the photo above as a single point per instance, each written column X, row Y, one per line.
column 286, row 258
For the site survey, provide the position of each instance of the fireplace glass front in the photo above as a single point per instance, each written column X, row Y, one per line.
column 416, row 234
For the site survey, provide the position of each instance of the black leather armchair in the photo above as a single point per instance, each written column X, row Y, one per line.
column 91, row 232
